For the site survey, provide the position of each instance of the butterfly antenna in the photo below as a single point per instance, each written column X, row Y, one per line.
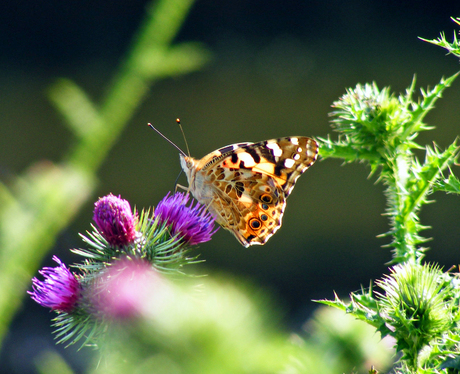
column 183, row 134
column 164, row 137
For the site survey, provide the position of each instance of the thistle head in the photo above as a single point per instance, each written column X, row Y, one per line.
column 115, row 220
column 192, row 224
column 60, row 290
column 416, row 305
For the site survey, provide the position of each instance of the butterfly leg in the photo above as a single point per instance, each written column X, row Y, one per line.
column 179, row 186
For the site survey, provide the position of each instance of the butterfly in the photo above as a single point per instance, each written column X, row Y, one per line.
column 245, row 185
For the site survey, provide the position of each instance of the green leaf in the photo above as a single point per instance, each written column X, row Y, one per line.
column 449, row 185
column 451, row 47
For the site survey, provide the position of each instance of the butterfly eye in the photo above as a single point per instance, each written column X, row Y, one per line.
column 266, row 198
column 255, row 223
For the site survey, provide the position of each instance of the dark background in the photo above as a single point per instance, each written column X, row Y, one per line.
column 277, row 67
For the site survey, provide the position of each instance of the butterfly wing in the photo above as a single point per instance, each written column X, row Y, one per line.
column 246, row 185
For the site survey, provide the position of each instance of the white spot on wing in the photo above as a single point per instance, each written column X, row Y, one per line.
column 247, row 159
column 277, row 151
column 289, row 163
column 295, row 141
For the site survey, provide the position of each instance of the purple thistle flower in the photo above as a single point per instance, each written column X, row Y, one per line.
column 59, row 291
column 115, row 220
column 193, row 224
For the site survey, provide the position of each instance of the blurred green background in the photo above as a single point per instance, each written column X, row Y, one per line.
column 276, row 68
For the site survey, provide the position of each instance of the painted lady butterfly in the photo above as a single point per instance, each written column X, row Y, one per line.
column 245, row 185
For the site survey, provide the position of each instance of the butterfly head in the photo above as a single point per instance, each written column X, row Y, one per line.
column 186, row 163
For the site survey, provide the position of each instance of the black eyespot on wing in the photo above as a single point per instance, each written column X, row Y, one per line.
column 255, row 224
column 266, row 198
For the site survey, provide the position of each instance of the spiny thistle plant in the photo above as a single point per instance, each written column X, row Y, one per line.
column 127, row 254
column 418, row 304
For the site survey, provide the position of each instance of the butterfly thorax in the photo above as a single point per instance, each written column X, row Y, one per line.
column 196, row 181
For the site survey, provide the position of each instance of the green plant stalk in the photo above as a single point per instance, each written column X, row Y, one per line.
column 48, row 197
column 408, row 193
column 410, row 184
column 377, row 128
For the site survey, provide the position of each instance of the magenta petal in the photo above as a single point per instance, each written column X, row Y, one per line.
column 193, row 224
column 59, row 291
